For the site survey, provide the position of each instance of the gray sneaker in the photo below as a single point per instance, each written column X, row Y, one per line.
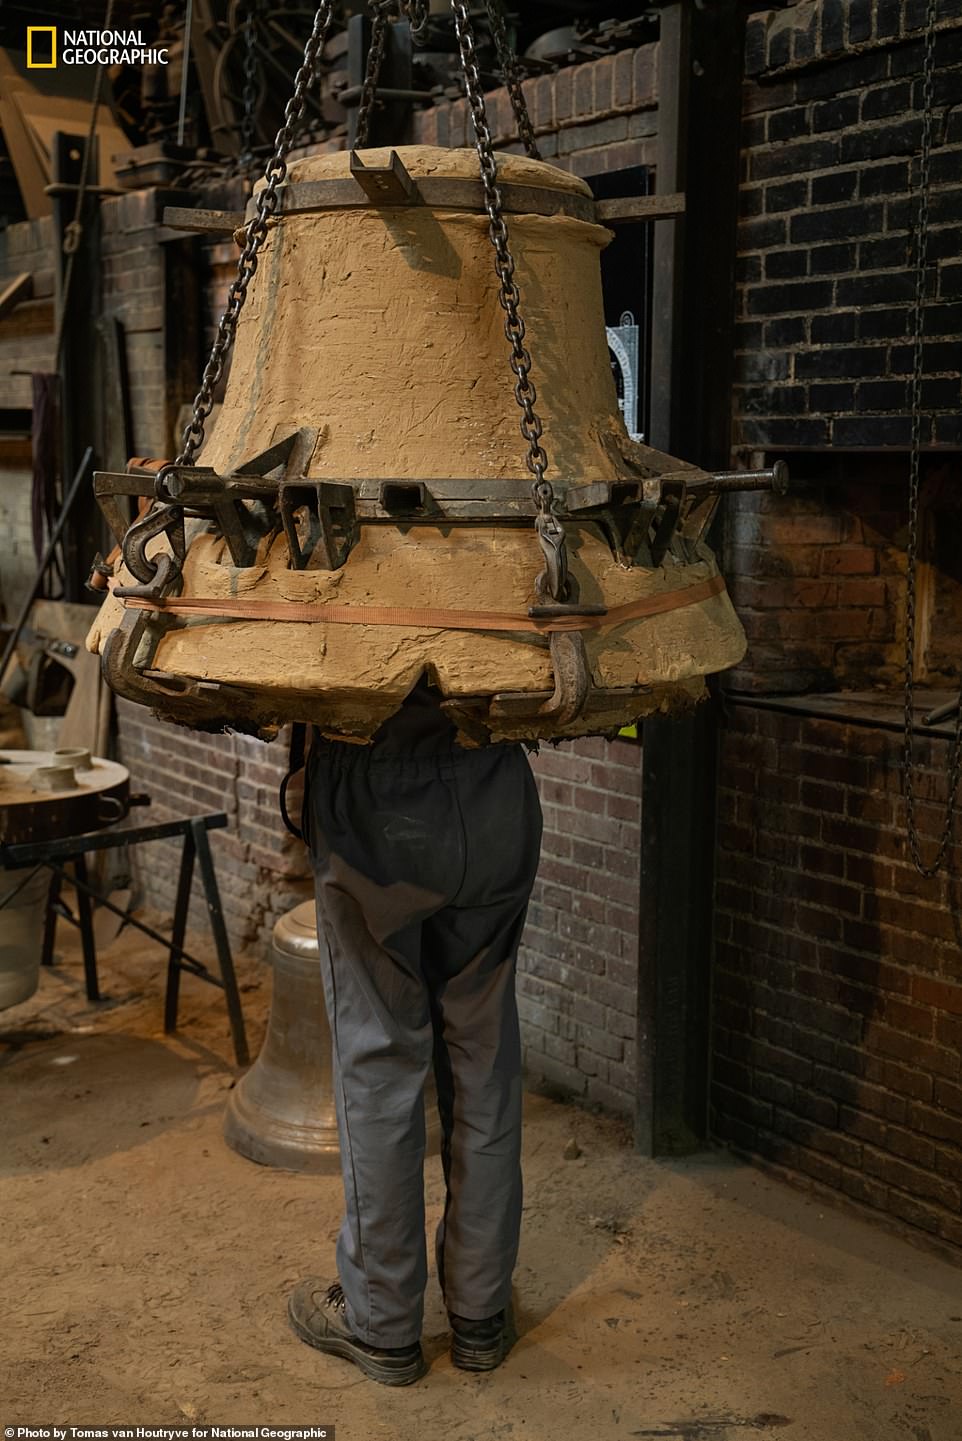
column 316, row 1312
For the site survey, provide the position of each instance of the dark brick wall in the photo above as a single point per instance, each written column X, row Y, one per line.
column 819, row 578
column 837, row 993
column 837, row 1003
column 832, row 128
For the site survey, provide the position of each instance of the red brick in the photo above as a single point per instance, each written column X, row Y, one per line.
column 944, row 995
column 850, row 560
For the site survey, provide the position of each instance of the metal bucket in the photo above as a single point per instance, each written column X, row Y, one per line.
column 23, row 903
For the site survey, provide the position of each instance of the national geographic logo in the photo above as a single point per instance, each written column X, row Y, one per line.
column 89, row 47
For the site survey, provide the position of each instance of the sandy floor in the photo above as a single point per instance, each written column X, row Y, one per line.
column 144, row 1266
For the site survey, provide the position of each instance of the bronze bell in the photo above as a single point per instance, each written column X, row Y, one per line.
column 281, row 1112
column 361, row 515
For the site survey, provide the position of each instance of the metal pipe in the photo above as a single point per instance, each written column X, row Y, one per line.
column 776, row 479
column 942, row 712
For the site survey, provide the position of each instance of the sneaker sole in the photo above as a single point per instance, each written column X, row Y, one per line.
column 380, row 1371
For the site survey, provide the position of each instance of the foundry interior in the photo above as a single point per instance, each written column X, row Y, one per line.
column 593, row 370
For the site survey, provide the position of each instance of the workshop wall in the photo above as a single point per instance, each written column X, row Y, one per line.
column 832, row 123
column 836, row 987
column 837, row 994
column 831, row 126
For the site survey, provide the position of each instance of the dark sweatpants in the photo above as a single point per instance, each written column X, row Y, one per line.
column 424, row 864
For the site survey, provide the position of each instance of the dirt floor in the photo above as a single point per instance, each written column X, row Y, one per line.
column 145, row 1265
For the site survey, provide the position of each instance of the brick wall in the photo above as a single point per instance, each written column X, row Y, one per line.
column 262, row 871
column 819, row 577
column 836, row 985
column 132, row 267
column 837, row 989
column 832, row 123
column 578, row 966
column 588, row 118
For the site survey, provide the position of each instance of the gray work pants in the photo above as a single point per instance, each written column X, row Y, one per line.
column 423, row 872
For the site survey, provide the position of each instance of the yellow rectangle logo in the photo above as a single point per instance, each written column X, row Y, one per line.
column 42, row 30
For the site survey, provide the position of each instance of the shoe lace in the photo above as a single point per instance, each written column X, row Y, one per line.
column 335, row 1296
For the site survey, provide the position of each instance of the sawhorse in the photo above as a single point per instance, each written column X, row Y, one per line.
column 73, row 850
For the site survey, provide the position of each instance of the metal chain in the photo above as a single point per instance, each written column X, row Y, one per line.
column 954, row 771
column 512, row 78
column 550, row 529
column 375, row 57
column 250, row 85
column 267, row 201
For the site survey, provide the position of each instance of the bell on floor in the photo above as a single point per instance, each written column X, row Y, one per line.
column 361, row 514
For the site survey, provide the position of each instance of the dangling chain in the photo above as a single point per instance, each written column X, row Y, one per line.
column 250, row 86
column 921, row 255
column 550, row 529
column 267, row 203
column 512, row 78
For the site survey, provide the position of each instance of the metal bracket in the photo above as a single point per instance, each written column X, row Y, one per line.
column 385, row 184
column 672, row 502
column 331, row 522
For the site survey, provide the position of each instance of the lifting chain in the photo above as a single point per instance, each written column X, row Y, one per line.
column 551, row 534
column 375, row 58
column 416, row 13
column 267, row 201
column 512, row 78
column 921, row 255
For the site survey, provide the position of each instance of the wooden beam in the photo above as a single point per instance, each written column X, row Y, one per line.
column 641, row 207
column 20, row 288
column 214, row 222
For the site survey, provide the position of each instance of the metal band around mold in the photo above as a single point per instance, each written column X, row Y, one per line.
column 433, row 192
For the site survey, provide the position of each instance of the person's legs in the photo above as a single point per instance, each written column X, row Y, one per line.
column 387, row 842
column 469, row 951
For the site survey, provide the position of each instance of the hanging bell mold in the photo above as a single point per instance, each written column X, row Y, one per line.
column 361, row 514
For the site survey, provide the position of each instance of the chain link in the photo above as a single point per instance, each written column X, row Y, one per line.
column 512, row 78
column 416, row 12
column 375, row 58
column 267, row 201
column 954, row 770
column 549, row 527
